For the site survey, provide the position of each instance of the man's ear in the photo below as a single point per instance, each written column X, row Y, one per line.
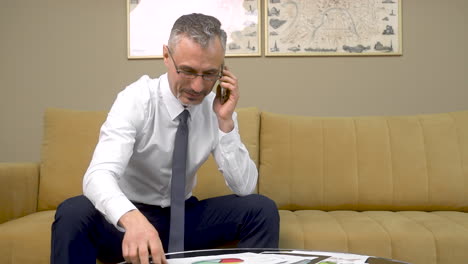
column 166, row 55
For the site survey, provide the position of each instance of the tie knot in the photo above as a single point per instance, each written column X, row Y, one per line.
column 184, row 116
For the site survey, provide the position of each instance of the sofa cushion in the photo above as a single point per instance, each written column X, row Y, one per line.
column 71, row 136
column 365, row 163
column 27, row 239
column 18, row 189
column 69, row 141
column 440, row 237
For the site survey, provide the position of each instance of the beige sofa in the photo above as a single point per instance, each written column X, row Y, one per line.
column 394, row 187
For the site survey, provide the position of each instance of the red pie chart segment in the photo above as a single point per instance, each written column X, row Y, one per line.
column 231, row 260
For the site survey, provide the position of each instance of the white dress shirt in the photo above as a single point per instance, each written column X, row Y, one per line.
column 133, row 158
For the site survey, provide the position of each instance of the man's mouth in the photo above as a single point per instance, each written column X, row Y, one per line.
column 192, row 95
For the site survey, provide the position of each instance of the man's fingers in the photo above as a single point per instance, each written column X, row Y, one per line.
column 154, row 252
column 139, row 238
column 125, row 252
column 157, row 252
column 143, row 253
column 133, row 254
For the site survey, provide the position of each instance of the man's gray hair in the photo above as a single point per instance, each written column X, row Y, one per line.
column 198, row 27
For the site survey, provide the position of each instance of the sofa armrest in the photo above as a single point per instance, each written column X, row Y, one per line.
column 19, row 185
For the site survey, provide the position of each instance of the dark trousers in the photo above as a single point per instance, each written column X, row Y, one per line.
column 80, row 233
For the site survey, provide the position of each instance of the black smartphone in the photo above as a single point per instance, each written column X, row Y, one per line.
column 222, row 93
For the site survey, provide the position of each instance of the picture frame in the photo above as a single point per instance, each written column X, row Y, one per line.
column 149, row 23
column 333, row 28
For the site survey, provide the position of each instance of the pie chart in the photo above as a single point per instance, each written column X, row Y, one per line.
column 223, row 260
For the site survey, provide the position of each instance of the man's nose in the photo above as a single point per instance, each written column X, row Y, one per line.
column 198, row 84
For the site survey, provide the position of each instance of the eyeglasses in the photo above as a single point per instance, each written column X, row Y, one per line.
column 193, row 75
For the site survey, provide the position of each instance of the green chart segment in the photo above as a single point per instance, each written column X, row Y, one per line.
column 224, row 260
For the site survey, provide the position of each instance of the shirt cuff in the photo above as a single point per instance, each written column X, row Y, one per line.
column 117, row 208
column 232, row 135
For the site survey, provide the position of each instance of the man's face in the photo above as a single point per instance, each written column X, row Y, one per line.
column 190, row 57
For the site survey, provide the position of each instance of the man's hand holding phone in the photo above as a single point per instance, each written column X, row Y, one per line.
column 227, row 95
column 222, row 94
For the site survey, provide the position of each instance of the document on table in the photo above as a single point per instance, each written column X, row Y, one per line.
column 275, row 257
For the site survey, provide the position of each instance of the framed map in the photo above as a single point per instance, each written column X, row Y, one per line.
column 149, row 23
column 333, row 27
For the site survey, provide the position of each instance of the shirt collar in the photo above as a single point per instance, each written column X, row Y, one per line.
column 173, row 105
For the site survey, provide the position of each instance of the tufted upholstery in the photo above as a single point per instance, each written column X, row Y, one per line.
column 394, row 187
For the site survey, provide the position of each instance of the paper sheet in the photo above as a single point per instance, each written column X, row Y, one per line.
column 273, row 257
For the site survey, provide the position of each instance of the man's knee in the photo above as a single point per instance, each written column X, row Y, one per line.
column 74, row 209
column 264, row 223
column 263, row 205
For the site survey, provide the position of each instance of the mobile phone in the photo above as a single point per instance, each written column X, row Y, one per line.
column 222, row 93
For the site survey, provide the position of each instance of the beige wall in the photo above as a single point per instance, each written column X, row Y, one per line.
column 72, row 54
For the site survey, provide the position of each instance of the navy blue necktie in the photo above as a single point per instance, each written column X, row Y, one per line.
column 179, row 162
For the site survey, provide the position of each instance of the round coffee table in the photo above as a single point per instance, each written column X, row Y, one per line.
column 318, row 256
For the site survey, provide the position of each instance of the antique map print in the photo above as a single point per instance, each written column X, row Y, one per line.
column 333, row 27
column 150, row 21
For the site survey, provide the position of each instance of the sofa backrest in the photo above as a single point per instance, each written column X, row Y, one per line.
column 71, row 136
column 67, row 147
column 365, row 163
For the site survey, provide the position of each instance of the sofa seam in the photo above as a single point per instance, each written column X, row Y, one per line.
column 389, row 137
column 11, row 257
column 322, row 193
column 302, row 230
column 449, row 219
column 460, row 154
column 428, row 180
column 258, row 148
column 430, row 231
column 340, row 224
column 290, row 165
column 384, row 229
column 357, row 164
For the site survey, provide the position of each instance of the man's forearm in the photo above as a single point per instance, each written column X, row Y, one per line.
column 235, row 163
column 103, row 191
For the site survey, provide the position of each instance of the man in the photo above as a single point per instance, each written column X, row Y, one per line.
column 125, row 212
